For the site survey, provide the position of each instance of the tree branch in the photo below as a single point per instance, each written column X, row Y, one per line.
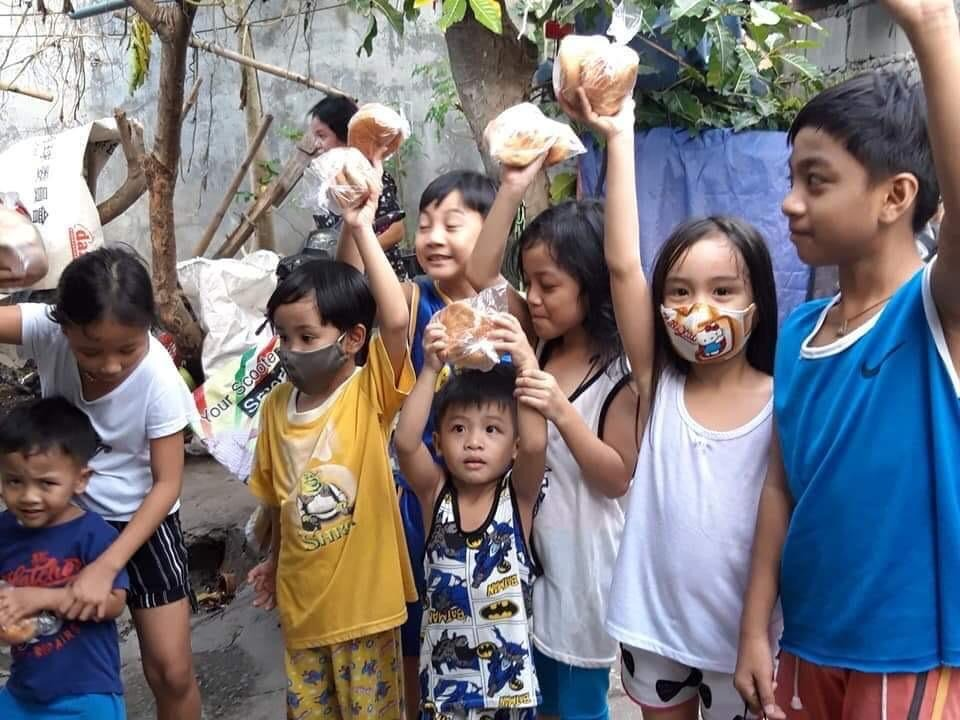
column 266, row 67
column 229, row 197
column 135, row 185
column 191, row 100
column 151, row 12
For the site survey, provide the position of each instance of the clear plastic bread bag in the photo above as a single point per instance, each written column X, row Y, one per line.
column 606, row 72
column 522, row 133
column 469, row 324
column 23, row 256
column 377, row 127
column 326, row 194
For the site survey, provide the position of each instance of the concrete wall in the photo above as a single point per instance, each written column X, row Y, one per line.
column 214, row 138
column 858, row 36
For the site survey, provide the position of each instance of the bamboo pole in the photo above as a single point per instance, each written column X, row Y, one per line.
column 265, row 67
column 232, row 190
column 253, row 112
column 29, row 92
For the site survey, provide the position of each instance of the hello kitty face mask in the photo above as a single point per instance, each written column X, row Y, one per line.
column 703, row 333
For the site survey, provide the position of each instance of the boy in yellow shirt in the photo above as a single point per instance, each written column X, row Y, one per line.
column 338, row 569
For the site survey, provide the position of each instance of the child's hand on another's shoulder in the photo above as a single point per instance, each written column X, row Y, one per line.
column 263, row 578
column 608, row 127
column 508, row 337
column 435, row 345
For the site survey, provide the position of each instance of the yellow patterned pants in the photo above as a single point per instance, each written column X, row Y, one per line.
column 360, row 679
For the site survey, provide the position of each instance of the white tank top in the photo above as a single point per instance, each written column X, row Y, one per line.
column 575, row 537
column 685, row 556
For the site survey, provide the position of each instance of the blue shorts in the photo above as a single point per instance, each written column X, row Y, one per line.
column 572, row 693
column 413, row 528
column 72, row 707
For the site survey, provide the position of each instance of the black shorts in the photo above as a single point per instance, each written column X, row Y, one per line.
column 159, row 572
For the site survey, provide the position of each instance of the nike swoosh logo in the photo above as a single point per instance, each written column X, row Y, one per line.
column 871, row 372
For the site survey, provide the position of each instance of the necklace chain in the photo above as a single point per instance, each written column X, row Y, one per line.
column 844, row 322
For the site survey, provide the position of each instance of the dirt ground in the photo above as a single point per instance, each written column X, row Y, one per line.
column 237, row 649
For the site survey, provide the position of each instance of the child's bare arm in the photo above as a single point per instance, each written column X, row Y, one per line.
column 416, row 463
column 347, row 249
column 528, row 468
column 392, row 313
column 931, row 26
column 483, row 267
column 621, row 242
column 754, row 676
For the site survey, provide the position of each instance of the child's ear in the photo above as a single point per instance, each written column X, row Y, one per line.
column 83, row 479
column 354, row 339
column 436, row 443
column 901, row 194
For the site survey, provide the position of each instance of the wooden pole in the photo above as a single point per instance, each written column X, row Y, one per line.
column 265, row 67
column 253, row 111
column 232, row 190
column 29, row 92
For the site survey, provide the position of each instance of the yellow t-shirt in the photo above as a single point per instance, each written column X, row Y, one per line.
column 344, row 571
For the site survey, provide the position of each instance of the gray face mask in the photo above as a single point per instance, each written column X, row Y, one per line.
column 311, row 371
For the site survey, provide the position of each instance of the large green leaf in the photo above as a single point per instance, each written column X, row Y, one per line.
column 367, row 45
column 563, row 187
column 787, row 13
column 760, row 15
column 744, row 120
column 453, row 12
column 721, row 54
column 688, row 8
column 393, row 16
column 488, row 14
column 802, row 66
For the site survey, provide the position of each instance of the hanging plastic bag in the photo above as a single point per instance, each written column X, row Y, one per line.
column 606, row 72
column 375, row 127
column 341, row 179
column 469, row 324
column 521, row 134
column 23, row 256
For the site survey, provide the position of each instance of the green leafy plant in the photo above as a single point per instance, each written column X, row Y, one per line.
column 444, row 98
column 756, row 78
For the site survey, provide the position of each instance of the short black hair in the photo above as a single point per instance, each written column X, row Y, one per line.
column 475, row 389
column 46, row 424
column 880, row 117
column 342, row 293
column 477, row 190
column 335, row 112
column 107, row 282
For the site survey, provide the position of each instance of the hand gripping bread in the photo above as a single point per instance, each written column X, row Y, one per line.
column 520, row 134
column 606, row 72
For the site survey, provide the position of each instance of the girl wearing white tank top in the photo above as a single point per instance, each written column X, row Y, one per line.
column 700, row 342
column 591, row 447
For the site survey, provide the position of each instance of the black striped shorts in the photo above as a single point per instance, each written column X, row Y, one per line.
column 159, row 572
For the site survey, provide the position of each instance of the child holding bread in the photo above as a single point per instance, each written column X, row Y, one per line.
column 66, row 663
column 476, row 658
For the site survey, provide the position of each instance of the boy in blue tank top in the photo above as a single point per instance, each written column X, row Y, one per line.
column 859, row 521
column 451, row 214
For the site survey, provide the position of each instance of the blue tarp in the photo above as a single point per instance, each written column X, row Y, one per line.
column 720, row 172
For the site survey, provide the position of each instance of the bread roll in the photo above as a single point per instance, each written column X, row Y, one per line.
column 340, row 195
column 573, row 51
column 19, row 633
column 606, row 72
column 467, row 332
column 375, row 126
column 519, row 135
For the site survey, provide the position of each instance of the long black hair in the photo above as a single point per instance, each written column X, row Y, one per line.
column 107, row 282
column 758, row 268
column 573, row 234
